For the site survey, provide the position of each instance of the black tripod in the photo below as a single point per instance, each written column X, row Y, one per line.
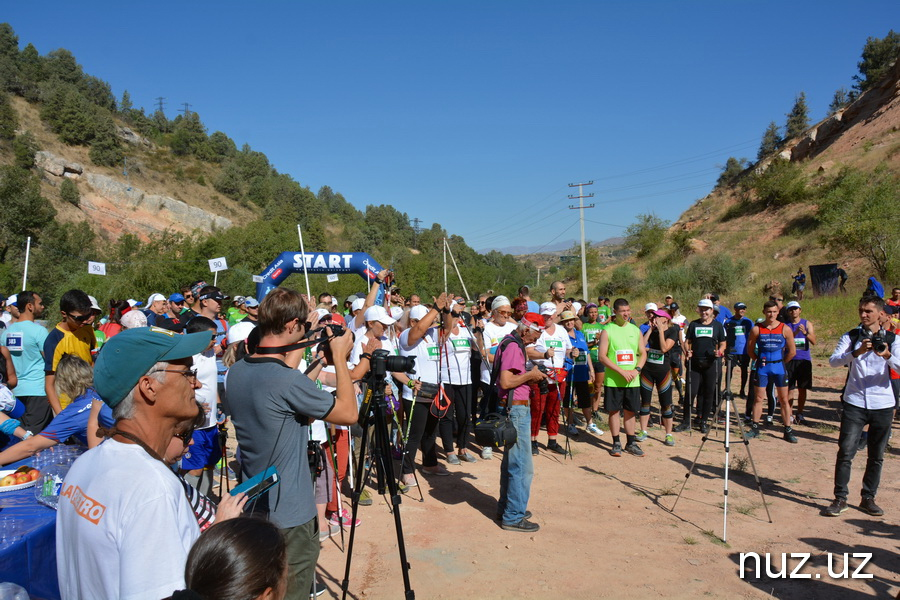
column 727, row 398
column 378, row 449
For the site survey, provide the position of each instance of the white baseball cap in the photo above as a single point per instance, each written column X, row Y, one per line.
column 132, row 303
column 705, row 303
column 240, row 330
column 94, row 304
column 576, row 306
column 154, row 297
column 793, row 304
column 396, row 313
column 548, row 308
column 12, row 300
column 418, row 312
column 650, row 306
column 377, row 313
column 357, row 304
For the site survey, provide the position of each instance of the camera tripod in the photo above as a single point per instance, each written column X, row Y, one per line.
column 727, row 398
column 378, row 448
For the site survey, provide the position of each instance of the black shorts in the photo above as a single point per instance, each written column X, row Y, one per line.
column 582, row 392
column 675, row 358
column 616, row 398
column 599, row 367
column 799, row 374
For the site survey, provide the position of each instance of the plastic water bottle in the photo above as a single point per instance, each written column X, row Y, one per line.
column 49, row 486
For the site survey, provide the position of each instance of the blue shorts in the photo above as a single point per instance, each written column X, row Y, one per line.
column 772, row 373
column 204, row 451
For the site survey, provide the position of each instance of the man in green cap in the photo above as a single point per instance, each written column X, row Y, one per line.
column 123, row 515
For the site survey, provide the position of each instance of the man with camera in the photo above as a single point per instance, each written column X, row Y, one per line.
column 271, row 404
column 514, row 391
column 870, row 352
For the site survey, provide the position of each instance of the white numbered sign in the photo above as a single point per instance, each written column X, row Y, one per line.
column 332, row 278
column 96, row 268
column 218, row 264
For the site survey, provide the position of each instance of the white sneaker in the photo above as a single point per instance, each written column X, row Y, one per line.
column 487, row 453
column 594, row 429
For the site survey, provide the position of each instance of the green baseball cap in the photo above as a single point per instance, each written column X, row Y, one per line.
column 127, row 357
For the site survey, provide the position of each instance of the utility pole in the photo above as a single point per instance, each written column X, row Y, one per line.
column 186, row 111
column 581, row 207
column 537, row 283
column 416, row 231
column 160, row 104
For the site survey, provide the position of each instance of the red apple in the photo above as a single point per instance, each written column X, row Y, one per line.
column 8, row 480
column 22, row 478
column 34, row 474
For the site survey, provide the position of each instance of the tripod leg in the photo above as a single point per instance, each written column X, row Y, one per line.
column 752, row 464
column 359, row 484
column 689, row 473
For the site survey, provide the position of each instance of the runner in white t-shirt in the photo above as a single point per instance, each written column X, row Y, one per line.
column 422, row 341
column 555, row 344
column 456, row 374
column 500, row 325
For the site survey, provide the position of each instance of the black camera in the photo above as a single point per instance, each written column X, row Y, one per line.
column 383, row 362
column 543, row 384
column 879, row 344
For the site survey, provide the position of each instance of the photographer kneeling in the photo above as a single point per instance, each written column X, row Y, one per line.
column 271, row 405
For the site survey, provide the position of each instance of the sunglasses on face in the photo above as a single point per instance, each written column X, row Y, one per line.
column 185, row 437
column 78, row 318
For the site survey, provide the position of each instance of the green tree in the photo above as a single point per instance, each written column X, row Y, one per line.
column 8, row 120
column 68, row 192
column 9, row 54
column 771, row 140
column 798, row 118
column 222, row 146
column 733, row 167
column 877, row 57
column 31, row 69
column 125, row 105
column 105, row 147
column 24, row 148
column 646, row 234
column 25, row 211
column 852, row 211
column 62, row 65
column 840, row 100
column 782, row 183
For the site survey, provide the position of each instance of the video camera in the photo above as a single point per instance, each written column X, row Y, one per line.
column 543, row 385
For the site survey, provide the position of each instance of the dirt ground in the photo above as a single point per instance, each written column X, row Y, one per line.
column 607, row 530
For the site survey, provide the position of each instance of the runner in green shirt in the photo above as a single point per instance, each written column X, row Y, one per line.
column 591, row 330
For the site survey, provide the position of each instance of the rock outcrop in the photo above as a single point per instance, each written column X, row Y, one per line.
column 120, row 207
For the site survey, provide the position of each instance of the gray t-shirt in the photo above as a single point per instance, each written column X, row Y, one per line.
column 265, row 396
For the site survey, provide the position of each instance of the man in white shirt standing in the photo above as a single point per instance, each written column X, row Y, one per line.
column 870, row 352
column 124, row 526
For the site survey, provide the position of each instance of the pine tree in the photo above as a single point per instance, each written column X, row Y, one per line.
column 770, row 141
column 8, row 120
column 840, row 100
column 125, row 105
column 877, row 57
column 798, row 118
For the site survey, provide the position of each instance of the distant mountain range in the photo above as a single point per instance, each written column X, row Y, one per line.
column 556, row 248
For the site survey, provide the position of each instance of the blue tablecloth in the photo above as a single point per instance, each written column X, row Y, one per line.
column 31, row 560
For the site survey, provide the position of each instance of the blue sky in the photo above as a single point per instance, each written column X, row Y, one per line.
column 477, row 115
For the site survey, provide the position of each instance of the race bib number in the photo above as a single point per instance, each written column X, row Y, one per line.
column 657, row 358
column 625, row 358
column 739, row 330
column 433, row 352
column 554, row 344
column 14, row 341
column 581, row 359
column 703, row 332
column 800, row 343
column 461, row 344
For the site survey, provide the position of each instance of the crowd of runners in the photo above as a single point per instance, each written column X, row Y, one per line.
column 150, row 387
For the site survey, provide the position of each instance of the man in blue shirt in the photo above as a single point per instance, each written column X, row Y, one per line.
column 25, row 341
column 722, row 312
column 736, row 330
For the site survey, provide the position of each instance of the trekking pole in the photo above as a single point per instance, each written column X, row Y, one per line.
column 405, row 437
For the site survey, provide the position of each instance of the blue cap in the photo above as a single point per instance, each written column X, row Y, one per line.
column 176, row 297
column 129, row 355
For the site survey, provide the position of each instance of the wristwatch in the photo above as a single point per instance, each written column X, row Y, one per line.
column 638, row 369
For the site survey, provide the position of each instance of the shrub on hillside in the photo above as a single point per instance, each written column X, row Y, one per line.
column 621, row 281
column 24, row 148
column 781, row 184
column 646, row 234
column 68, row 192
column 8, row 120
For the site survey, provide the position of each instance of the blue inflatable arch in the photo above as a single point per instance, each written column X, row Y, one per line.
column 318, row 262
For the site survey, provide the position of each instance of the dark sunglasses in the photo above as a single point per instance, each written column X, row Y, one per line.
column 78, row 318
column 186, row 436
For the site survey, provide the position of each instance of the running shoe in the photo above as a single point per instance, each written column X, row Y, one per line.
column 487, row 453
column 640, row 436
column 344, row 518
column 592, row 428
column 789, row 435
column 452, row 459
column 616, row 449
column 534, row 448
column 670, row 440
column 634, row 449
column 753, row 432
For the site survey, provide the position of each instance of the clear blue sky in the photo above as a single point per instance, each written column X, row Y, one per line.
column 473, row 114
